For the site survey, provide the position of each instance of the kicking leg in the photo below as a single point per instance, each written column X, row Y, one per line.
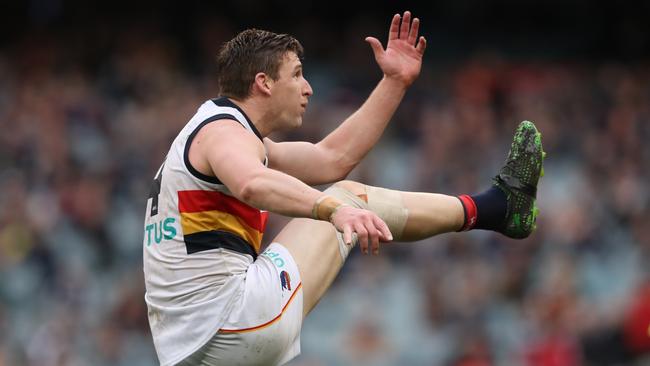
column 507, row 207
column 320, row 252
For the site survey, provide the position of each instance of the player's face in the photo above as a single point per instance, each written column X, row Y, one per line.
column 290, row 93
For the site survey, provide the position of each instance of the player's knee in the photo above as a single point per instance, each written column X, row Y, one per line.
column 356, row 188
column 350, row 192
column 386, row 203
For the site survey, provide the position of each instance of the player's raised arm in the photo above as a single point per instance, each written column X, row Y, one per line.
column 338, row 153
column 400, row 62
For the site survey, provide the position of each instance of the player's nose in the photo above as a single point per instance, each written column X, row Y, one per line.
column 307, row 90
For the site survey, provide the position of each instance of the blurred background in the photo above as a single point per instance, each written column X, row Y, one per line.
column 92, row 94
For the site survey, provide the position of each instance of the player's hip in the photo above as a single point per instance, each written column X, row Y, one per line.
column 264, row 327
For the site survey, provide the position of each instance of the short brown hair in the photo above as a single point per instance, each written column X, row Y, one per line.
column 250, row 52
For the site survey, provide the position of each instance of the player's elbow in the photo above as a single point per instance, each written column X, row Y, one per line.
column 339, row 174
column 336, row 162
column 342, row 166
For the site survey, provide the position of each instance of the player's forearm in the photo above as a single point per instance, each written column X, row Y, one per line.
column 277, row 192
column 352, row 140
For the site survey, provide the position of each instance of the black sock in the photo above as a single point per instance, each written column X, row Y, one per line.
column 491, row 207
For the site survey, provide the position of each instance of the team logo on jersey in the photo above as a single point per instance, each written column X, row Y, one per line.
column 285, row 280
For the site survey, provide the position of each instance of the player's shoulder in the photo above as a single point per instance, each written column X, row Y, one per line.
column 226, row 128
column 227, row 135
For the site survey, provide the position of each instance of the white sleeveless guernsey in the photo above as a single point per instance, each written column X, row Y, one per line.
column 198, row 243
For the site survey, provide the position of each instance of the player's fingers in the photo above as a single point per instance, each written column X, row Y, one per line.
column 383, row 229
column 376, row 46
column 347, row 234
column 406, row 24
column 413, row 33
column 373, row 232
column 422, row 45
column 362, row 234
column 393, row 33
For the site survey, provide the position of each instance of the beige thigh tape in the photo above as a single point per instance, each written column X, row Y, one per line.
column 389, row 206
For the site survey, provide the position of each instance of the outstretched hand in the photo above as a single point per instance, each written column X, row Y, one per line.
column 369, row 228
column 402, row 58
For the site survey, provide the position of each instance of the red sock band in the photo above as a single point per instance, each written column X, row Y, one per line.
column 470, row 212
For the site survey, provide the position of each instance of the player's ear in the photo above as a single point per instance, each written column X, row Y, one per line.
column 263, row 83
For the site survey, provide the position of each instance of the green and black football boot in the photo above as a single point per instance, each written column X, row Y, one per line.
column 518, row 179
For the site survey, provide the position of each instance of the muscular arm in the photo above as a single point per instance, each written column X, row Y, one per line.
column 235, row 156
column 337, row 154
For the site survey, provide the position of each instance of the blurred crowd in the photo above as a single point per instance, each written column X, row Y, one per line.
column 83, row 131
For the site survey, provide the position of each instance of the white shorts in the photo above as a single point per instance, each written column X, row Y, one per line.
column 264, row 327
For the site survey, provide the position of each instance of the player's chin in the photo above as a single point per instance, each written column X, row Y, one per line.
column 297, row 122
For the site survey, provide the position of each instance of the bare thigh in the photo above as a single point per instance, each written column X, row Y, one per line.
column 314, row 246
